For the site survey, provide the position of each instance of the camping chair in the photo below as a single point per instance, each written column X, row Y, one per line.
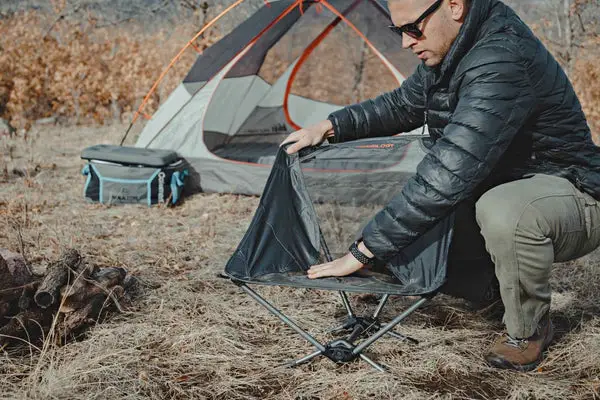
column 294, row 218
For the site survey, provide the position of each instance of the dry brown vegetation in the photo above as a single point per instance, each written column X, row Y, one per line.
column 586, row 79
column 194, row 335
column 77, row 71
column 578, row 50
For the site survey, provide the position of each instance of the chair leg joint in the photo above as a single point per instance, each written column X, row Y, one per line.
column 339, row 351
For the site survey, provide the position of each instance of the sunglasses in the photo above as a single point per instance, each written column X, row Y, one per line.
column 412, row 29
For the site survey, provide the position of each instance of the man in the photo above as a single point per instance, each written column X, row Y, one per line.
column 510, row 137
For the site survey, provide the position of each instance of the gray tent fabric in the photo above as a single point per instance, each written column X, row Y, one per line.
column 218, row 55
column 287, row 234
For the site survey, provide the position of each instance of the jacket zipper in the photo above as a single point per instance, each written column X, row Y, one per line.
column 425, row 114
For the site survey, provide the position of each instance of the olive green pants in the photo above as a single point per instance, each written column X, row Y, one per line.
column 527, row 225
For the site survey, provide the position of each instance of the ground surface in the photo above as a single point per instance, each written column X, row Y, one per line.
column 194, row 335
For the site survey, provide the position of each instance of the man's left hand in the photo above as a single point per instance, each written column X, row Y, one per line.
column 339, row 267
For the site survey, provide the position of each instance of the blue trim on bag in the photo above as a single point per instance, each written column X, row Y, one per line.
column 150, row 186
column 177, row 181
column 148, row 182
column 86, row 172
column 99, row 183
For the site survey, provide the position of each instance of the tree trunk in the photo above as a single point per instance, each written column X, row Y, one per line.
column 568, row 36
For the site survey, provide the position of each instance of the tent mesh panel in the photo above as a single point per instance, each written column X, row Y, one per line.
column 340, row 69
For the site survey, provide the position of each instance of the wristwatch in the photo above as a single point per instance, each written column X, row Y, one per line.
column 359, row 255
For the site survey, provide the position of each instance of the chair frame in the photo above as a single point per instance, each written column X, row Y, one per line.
column 344, row 350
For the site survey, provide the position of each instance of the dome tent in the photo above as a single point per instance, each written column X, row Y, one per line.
column 288, row 65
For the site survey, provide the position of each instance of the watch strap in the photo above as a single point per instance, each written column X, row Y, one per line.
column 359, row 255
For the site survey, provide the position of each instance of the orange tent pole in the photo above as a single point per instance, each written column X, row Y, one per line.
column 305, row 54
column 178, row 56
column 313, row 45
column 174, row 60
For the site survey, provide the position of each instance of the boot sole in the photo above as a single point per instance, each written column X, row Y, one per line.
column 503, row 364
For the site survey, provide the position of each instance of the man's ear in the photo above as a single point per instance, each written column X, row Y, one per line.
column 458, row 10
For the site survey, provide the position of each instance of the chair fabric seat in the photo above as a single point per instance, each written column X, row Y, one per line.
column 363, row 282
column 285, row 236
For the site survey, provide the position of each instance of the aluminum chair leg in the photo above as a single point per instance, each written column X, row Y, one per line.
column 304, row 359
column 345, row 326
column 362, row 326
column 372, row 363
column 347, row 304
column 388, row 327
column 402, row 337
column 393, row 334
column 283, row 318
column 380, row 306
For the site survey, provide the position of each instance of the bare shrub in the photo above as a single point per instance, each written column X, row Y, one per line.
column 91, row 75
column 586, row 79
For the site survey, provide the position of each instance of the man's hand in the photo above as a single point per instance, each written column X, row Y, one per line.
column 341, row 266
column 338, row 267
column 310, row 136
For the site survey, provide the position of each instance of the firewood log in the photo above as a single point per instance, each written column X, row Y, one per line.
column 17, row 267
column 78, row 294
column 57, row 275
column 26, row 299
column 75, row 322
column 28, row 326
column 9, row 292
column 6, row 279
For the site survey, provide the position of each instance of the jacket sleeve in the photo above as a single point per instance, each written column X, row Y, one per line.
column 400, row 110
column 495, row 99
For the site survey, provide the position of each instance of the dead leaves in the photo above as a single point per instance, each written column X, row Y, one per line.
column 93, row 75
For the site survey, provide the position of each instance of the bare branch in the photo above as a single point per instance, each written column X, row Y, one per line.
column 141, row 11
column 60, row 17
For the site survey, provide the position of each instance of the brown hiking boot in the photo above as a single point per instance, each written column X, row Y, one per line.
column 521, row 354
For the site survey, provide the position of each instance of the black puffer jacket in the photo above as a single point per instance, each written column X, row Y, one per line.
column 499, row 107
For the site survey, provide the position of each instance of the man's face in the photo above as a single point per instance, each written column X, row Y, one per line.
column 440, row 28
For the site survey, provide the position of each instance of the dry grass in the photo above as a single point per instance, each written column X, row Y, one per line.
column 195, row 335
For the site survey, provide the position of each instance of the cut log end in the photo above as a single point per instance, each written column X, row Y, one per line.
column 57, row 276
column 44, row 299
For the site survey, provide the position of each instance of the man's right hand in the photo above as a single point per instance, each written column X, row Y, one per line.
column 310, row 136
